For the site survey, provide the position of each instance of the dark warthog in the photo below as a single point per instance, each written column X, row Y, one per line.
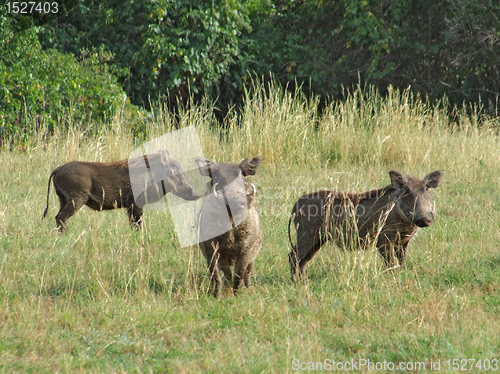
column 390, row 217
column 108, row 185
column 228, row 222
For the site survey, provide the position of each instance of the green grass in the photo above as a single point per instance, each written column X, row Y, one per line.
column 104, row 298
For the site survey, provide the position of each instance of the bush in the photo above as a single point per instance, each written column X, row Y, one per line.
column 38, row 87
column 174, row 50
column 435, row 48
column 164, row 49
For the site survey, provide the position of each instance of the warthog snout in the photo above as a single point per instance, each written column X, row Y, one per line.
column 389, row 217
column 424, row 221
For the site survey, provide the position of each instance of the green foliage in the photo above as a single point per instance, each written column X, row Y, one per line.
column 115, row 28
column 291, row 39
column 365, row 30
column 436, row 48
column 321, row 45
column 40, row 87
column 471, row 52
column 193, row 46
column 174, row 50
column 163, row 49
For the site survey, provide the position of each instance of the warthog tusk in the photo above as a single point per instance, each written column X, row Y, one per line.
column 254, row 190
column 214, row 191
column 171, row 183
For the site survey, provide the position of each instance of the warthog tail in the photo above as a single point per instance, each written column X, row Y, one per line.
column 48, row 193
column 292, row 216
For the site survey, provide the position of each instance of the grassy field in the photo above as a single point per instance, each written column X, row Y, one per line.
column 104, row 298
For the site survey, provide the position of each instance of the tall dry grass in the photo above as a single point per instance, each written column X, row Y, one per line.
column 102, row 297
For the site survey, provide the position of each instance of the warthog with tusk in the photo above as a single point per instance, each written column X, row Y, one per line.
column 228, row 222
column 390, row 217
column 108, row 185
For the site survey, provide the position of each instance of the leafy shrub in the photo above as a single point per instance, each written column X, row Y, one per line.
column 163, row 49
column 40, row 87
column 193, row 45
column 177, row 49
column 436, row 48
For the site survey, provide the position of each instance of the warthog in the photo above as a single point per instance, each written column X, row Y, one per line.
column 108, row 185
column 389, row 217
column 228, row 222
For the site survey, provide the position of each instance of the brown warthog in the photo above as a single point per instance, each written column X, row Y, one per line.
column 228, row 223
column 108, row 185
column 389, row 217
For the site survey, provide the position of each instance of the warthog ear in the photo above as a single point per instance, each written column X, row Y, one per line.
column 432, row 180
column 206, row 166
column 164, row 156
column 397, row 180
column 250, row 167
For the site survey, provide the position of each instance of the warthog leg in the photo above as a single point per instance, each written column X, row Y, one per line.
column 301, row 254
column 246, row 276
column 401, row 252
column 225, row 266
column 212, row 256
column 69, row 206
column 135, row 216
column 392, row 250
column 240, row 268
column 308, row 257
